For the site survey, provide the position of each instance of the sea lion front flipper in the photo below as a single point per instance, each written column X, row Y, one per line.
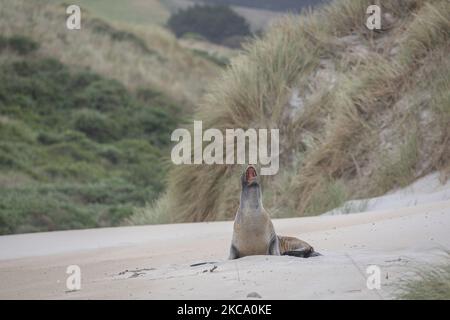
column 234, row 253
column 274, row 246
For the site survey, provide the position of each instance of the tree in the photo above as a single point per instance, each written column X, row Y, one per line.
column 215, row 23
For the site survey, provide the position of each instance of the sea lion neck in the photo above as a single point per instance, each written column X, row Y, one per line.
column 251, row 201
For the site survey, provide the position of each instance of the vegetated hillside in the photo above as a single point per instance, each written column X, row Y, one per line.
column 77, row 150
column 86, row 116
column 135, row 56
column 136, row 12
column 148, row 20
column 259, row 14
column 359, row 112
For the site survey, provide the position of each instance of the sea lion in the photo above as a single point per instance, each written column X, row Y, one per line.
column 253, row 232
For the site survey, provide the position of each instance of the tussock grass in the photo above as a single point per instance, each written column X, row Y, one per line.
column 399, row 169
column 364, row 94
column 429, row 29
column 155, row 213
column 427, row 283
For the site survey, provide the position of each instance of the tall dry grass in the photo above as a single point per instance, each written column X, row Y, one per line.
column 370, row 110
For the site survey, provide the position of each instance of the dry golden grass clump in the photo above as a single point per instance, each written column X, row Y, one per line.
column 137, row 56
column 360, row 112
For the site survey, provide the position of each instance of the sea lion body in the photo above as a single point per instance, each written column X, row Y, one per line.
column 253, row 231
column 253, row 234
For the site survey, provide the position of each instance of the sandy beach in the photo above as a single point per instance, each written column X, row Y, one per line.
column 154, row 262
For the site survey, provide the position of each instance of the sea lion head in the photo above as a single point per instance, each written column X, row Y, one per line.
column 250, row 177
column 251, row 197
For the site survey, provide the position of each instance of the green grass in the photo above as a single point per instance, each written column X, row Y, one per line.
column 138, row 12
column 398, row 170
column 428, row 283
column 330, row 195
column 91, row 150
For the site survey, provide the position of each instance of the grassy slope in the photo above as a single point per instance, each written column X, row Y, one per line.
column 150, row 16
column 134, row 55
column 77, row 150
column 86, row 118
column 375, row 110
column 135, row 12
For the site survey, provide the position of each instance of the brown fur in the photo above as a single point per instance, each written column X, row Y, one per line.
column 288, row 244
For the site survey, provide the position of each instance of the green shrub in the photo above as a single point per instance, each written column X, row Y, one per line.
column 103, row 95
column 3, row 42
column 111, row 153
column 92, row 149
column 95, row 125
column 48, row 138
column 34, row 209
column 13, row 130
column 22, row 45
column 79, row 171
column 19, row 44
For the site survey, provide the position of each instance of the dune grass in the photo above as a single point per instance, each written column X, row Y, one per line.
column 371, row 115
column 427, row 283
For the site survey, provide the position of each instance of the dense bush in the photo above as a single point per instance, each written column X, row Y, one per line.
column 19, row 44
column 95, row 125
column 215, row 23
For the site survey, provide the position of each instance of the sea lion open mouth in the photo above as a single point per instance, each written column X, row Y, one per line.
column 250, row 174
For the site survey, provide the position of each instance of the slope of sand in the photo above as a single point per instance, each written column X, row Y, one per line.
column 428, row 189
column 153, row 262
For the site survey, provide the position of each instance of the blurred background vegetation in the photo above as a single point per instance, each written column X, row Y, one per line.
column 360, row 112
column 86, row 116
